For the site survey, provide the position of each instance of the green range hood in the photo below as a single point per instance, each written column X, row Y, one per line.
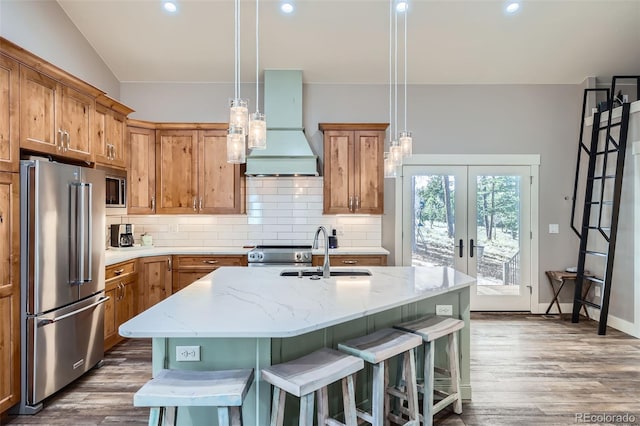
column 288, row 152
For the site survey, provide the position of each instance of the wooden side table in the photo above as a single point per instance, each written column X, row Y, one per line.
column 560, row 278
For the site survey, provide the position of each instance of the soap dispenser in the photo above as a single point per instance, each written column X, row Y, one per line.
column 333, row 240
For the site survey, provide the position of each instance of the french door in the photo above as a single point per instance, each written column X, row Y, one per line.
column 477, row 220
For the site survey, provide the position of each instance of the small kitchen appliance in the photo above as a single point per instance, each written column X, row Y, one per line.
column 122, row 235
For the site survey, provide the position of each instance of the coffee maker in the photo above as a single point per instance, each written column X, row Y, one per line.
column 122, row 235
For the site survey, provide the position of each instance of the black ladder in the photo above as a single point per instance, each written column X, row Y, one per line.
column 602, row 187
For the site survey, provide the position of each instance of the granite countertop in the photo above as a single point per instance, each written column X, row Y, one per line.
column 258, row 302
column 117, row 255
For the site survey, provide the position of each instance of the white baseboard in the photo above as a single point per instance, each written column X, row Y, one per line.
column 612, row 321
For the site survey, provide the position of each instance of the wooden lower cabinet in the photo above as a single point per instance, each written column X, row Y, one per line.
column 155, row 279
column 352, row 260
column 9, row 291
column 190, row 268
column 123, row 289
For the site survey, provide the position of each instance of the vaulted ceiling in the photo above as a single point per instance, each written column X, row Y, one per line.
column 347, row 41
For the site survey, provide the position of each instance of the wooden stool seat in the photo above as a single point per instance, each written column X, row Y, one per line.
column 378, row 348
column 430, row 329
column 313, row 373
column 169, row 389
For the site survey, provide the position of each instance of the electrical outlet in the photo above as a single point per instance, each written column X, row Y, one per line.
column 444, row 310
column 187, row 353
column 554, row 228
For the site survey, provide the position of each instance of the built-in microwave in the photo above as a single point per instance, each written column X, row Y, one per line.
column 116, row 190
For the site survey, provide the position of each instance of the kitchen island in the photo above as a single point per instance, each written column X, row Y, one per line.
column 253, row 317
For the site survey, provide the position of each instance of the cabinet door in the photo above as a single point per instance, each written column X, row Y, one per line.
column 108, row 137
column 76, row 117
column 127, row 305
column 142, row 170
column 155, row 278
column 9, row 291
column 9, row 118
column 110, row 323
column 182, row 279
column 338, row 172
column 116, row 132
column 368, row 172
column 218, row 181
column 39, row 99
column 177, row 171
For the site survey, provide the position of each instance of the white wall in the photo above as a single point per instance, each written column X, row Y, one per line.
column 42, row 28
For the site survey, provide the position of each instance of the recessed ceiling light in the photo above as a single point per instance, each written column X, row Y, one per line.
column 169, row 6
column 402, row 6
column 286, row 7
column 512, row 7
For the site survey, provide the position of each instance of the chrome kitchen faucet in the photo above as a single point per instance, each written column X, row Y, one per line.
column 326, row 272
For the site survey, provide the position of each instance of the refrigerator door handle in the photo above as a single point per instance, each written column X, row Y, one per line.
column 82, row 225
column 48, row 321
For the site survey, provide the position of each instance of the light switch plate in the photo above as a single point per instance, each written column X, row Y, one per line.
column 554, row 228
column 444, row 310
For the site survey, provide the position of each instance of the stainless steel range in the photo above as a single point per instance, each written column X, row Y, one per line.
column 280, row 255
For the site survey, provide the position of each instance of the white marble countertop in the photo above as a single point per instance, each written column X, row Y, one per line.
column 257, row 302
column 117, row 255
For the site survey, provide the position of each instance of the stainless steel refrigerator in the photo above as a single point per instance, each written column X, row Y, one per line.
column 62, row 276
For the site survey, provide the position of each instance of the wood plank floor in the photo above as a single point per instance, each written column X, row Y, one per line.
column 525, row 370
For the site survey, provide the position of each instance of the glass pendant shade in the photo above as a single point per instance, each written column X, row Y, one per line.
column 395, row 153
column 239, row 114
column 236, row 150
column 390, row 169
column 257, row 131
column 406, row 143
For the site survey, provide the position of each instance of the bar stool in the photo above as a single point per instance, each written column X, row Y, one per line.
column 377, row 349
column 313, row 373
column 430, row 329
column 171, row 389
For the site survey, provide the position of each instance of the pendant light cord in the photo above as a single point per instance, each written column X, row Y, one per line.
column 391, row 132
column 396, row 73
column 257, row 57
column 237, row 49
column 405, row 69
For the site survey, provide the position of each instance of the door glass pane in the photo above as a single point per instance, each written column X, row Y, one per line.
column 497, row 248
column 433, row 222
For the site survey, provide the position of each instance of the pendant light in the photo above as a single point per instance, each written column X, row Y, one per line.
column 239, row 112
column 405, row 140
column 257, row 122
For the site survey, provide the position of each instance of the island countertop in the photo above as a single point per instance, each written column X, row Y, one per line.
column 257, row 302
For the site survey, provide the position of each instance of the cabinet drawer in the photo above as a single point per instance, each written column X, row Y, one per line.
column 120, row 269
column 355, row 260
column 208, row 262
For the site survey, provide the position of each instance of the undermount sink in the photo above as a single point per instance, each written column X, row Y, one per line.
column 318, row 272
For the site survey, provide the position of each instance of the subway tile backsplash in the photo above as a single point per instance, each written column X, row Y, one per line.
column 279, row 211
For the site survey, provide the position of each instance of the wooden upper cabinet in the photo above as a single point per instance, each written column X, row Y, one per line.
column 109, row 136
column 177, row 171
column 353, row 168
column 9, row 291
column 76, row 119
column 141, row 162
column 218, row 181
column 9, row 114
column 54, row 118
column 192, row 173
column 39, row 100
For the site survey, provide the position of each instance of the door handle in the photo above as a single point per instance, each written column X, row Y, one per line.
column 70, row 314
column 460, row 247
column 153, row 204
column 169, row 266
column 471, row 246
